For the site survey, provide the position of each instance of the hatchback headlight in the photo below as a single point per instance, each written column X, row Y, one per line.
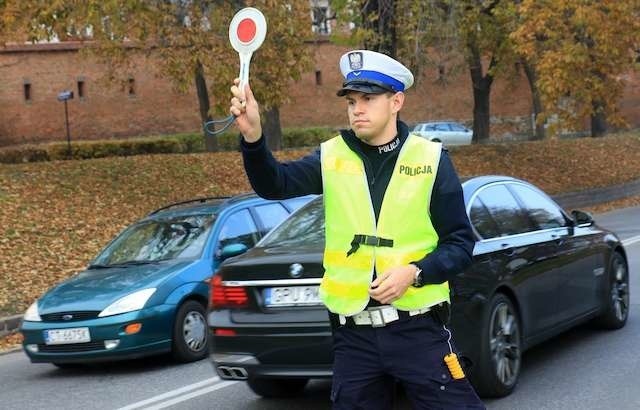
column 31, row 315
column 129, row 303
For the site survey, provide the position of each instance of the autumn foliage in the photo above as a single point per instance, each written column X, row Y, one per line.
column 55, row 216
column 582, row 51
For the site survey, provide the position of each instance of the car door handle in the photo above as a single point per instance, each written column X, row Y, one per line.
column 558, row 239
column 507, row 249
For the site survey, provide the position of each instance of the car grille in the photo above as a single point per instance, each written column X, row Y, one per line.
column 75, row 316
column 71, row 348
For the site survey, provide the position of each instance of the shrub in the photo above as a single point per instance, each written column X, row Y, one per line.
column 167, row 144
column 306, row 137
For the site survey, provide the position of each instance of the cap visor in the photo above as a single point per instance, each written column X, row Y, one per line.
column 366, row 88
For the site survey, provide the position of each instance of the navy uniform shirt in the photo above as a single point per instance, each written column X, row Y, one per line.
column 273, row 180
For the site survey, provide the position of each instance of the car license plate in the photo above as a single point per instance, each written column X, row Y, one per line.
column 292, row 296
column 66, row 336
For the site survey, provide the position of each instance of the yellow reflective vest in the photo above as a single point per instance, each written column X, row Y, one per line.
column 404, row 220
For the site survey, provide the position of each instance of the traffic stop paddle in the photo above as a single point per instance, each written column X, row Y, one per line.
column 247, row 31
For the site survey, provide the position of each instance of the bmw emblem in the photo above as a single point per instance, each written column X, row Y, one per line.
column 67, row 317
column 296, row 270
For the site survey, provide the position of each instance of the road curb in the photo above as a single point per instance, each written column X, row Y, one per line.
column 9, row 323
column 590, row 197
column 10, row 350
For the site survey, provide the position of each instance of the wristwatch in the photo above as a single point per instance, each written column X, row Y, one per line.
column 417, row 279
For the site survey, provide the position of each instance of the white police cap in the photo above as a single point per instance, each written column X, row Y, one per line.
column 373, row 73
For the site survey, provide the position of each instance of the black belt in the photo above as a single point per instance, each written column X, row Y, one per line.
column 368, row 240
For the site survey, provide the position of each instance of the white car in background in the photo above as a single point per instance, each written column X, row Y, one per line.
column 447, row 132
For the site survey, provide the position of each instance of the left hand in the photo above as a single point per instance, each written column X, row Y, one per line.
column 392, row 284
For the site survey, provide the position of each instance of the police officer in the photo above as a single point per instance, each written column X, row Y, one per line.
column 396, row 231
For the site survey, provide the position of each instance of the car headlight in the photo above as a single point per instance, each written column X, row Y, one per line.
column 31, row 315
column 129, row 303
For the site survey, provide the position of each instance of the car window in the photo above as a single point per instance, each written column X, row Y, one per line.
column 456, row 127
column 296, row 203
column 238, row 228
column 541, row 210
column 305, row 227
column 179, row 237
column 430, row 127
column 270, row 215
column 505, row 210
column 442, row 127
column 482, row 220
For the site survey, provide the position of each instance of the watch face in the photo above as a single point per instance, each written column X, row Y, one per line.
column 417, row 282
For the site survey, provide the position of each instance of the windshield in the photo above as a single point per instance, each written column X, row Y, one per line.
column 304, row 227
column 178, row 237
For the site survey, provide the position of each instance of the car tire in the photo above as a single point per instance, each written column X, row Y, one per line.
column 436, row 140
column 190, row 333
column 276, row 388
column 616, row 309
column 501, row 349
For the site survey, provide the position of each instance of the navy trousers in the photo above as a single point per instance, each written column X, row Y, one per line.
column 369, row 361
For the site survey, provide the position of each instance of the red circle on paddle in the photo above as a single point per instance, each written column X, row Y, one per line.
column 246, row 30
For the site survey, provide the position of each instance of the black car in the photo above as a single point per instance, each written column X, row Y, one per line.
column 536, row 272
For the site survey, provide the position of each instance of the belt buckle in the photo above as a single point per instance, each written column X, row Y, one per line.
column 376, row 316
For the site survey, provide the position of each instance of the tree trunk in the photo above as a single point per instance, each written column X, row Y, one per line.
column 539, row 133
column 272, row 130
column 210, row 141
column 599, row 124
column 481, row 98
column 378, row 16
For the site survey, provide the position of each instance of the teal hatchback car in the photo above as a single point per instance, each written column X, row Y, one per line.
column 147, row 291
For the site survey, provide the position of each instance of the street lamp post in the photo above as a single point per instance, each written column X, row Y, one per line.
column 66, row 96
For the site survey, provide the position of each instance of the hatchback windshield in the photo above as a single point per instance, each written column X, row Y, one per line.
column 305, row 227
column 178, row 237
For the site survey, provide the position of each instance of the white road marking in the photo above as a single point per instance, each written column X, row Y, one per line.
column 197, row 389
column 191, row 395
column 631, row 241
column 172, row 393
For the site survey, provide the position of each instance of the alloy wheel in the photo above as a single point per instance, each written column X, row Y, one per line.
column 505, row 344
column 620, row 291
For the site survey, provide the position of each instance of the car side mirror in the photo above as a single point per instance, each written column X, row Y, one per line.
column 581, row 218
column 233, row 249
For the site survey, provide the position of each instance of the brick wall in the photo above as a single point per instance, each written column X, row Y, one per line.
column 630, row 103
column 156, row 108
column 105, row 110
column 313, row 104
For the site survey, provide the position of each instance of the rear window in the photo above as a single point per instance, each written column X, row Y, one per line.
column 504, row 210
column 305, row 227
column 541, row 210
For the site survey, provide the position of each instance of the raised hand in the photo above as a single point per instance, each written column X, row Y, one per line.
column 247, row 112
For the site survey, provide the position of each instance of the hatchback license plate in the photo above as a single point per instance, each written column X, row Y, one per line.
column 67, row 336
column 292, row 296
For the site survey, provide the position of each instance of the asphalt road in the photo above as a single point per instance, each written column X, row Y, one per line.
column 584, row 368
